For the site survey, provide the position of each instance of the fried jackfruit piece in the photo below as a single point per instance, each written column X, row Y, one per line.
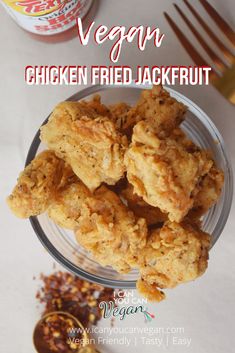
column 110, row 231
column 65, row 208
column 163, row 172
column 149, row 291
column 209, row 192
column 210, row 186
column 90, row 144
column 174, row 254
column 159, row 109
column 36, row 185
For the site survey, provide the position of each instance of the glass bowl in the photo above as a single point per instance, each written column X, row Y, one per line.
column 61, row 243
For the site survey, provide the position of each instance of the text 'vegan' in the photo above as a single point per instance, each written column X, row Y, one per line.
column 118, row 34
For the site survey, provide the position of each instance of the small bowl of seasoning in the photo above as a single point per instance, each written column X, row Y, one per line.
column 59, row 331
column 71, row 305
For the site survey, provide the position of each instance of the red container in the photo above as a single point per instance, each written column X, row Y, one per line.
column 50, row 20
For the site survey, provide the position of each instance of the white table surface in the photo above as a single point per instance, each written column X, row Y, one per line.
column 204, row 308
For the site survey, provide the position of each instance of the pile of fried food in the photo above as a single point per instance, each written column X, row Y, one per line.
column 129, row 183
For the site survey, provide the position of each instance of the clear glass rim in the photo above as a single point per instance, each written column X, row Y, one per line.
column 128, row 284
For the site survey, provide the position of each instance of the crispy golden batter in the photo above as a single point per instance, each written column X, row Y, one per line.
column 36, row 185
column 65, row 208
column 209, row 192
column 149, row 291
column 117, row 112
column 96, row 105
column 209, row 188
column 174, row 254
column 163, row 172
column 179, row 136
column 162, row 111
column 140, row 208
column 124, row 121
column 68, row 177
column 110, row 231
column 91, row 145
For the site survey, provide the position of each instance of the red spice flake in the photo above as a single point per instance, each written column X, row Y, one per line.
column 62, row 291
column 51, row 335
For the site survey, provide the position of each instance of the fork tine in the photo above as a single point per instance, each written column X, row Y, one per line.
column 193, row 53
column 227, row 53
column 217, row 61
column 223, row 25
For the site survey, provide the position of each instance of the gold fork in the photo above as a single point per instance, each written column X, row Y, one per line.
column 223, row 74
